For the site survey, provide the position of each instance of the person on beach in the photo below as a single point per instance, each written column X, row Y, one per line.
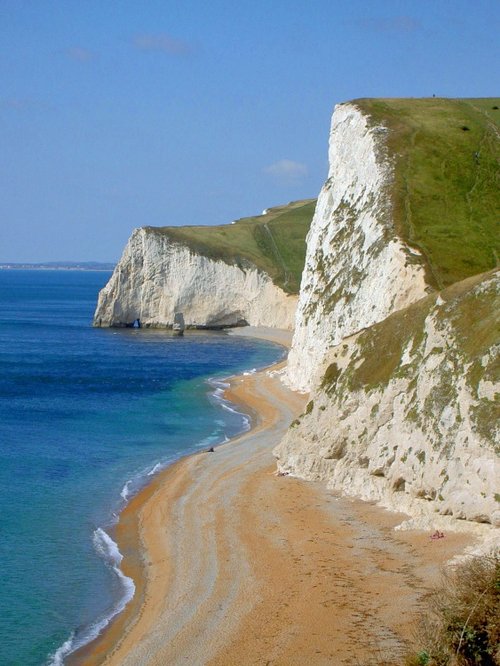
column 437, row 535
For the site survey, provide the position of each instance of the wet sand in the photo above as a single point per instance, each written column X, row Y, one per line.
column 235, row 565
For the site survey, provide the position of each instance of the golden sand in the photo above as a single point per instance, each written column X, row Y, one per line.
column 235, row 565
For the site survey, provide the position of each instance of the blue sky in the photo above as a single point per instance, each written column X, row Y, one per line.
column 118, row 114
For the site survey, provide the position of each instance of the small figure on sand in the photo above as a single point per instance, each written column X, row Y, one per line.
column 437, row 535
column 210, row 450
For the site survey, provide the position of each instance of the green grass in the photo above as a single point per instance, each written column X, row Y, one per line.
column 446, row 189
column 460, row 625
column 274, row 242
column 473, row 335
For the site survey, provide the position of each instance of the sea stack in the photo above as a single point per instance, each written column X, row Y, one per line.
column 178, row 325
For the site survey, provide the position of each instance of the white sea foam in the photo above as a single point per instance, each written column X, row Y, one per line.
column 250, row 372
column 155, row 469
column 107, row 548
column 218, row 383
column 57, row 659
column 109, row 551
column 125, row 491
column 229, row 408
column 218, row 396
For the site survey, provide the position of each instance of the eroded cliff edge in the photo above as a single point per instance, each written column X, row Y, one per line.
column 407, row 411
column 403, row 368
column 358, row 269
column 231, row 275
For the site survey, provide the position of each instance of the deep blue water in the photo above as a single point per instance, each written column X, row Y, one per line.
column 85, row 414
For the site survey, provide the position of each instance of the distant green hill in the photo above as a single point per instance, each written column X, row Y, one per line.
column 446, row 190
column 274, row 242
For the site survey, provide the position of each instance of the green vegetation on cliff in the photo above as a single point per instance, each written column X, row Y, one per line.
column 446, row 180
column 460, row 624
column 471, row 313
column 274, row 242
column 466, row 316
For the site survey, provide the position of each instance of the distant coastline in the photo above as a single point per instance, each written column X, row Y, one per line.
column 58, row 266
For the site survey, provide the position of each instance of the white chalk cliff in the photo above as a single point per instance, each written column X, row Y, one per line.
column 404, row 396
column 357, row 269
column 406, row 412
column 157, row 277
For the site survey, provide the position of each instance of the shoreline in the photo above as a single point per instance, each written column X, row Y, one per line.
column 209, row 587
column 126, row 532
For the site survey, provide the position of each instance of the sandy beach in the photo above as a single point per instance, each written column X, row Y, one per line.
column 235, row 565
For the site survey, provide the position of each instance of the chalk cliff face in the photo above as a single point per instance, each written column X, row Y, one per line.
column 157, row 277
column 404, row 406
column 357, row 271
column 406, row 412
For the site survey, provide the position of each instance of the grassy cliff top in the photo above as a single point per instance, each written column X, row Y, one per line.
column 446, row 196
column 274, row 242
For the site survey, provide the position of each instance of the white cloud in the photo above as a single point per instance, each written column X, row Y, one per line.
column 161, row 42
column 287, row 172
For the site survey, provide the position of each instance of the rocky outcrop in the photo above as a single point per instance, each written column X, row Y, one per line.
column 158, row 277
column 358, row 270
column 406, row 412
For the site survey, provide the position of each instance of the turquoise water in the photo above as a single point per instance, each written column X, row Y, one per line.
column 85, row 416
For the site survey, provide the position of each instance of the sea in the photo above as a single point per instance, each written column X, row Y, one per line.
column 87, row 417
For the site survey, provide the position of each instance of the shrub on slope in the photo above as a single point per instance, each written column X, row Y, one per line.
column 462, row 624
